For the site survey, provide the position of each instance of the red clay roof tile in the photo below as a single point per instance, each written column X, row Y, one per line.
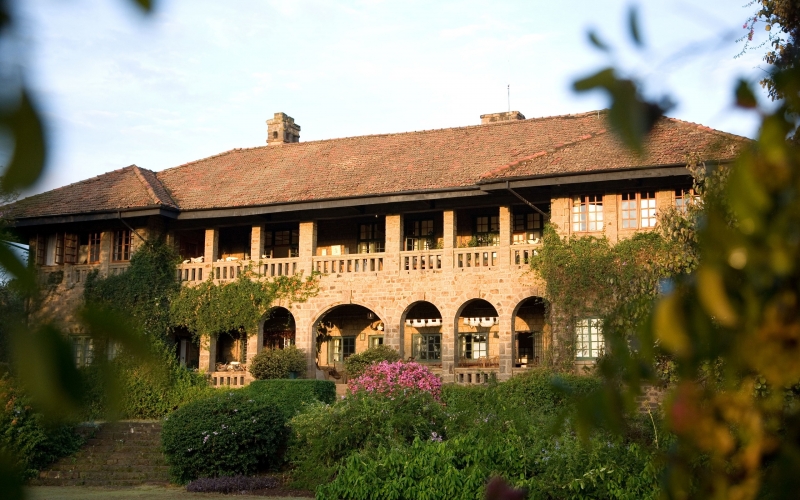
column 381, row 165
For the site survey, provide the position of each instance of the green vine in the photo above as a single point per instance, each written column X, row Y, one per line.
column 211, row 309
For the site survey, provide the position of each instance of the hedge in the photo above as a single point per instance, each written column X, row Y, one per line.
column 291, row 394
column 237, row 432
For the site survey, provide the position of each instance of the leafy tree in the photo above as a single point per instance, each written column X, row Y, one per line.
column 732, row 326
column 781, row 18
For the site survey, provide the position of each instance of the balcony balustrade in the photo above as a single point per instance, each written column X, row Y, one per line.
column 421, row 260
column 359, row 263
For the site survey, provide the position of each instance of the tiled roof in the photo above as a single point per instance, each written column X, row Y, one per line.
column 670, row 143
column 123, row 189
column 381, row 165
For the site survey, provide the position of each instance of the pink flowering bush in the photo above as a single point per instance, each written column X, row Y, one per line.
column 397, row 379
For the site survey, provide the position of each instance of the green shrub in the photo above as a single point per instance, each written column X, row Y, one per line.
column 357, row 363
column 227, row 434
column 149, row 391
column 278, row 363
column 458, row 468
column 25, row 436
column 290, row 396
column 325, row 434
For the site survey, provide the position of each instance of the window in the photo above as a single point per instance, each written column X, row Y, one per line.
column 474, row 345
column 638, row 210
column 420, row 235
column 529, row 348
column 82, row 350
column 427, row 347
column 375, row 340
column 370, row 238
column 527, row 228
column 282, row 238
column 487, row 230
column 684, row 198
column 589, row 341
column 342, row 348
column 122, row 245
column 587, row 213
column 94, row 248
column 56, row 249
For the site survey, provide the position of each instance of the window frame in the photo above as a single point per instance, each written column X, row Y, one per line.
column 467, row 342
column 122, row 243
column 490, row 235
column 587, row 205
column 684, row 198
column 527, row 227
column 431, row 353
column 638, row 213
column 375, row 341
column 418, row 238
column 336, row 349
column 95, row 241
column 82, row 350
column 371, row 238
column 594, row 347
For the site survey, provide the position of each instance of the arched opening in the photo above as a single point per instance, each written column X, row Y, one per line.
column 231, row 351
column 343, row 331
column 528, row 328
column 187, row 348
column 279, row 329
column 478, row 334
column 421, row 334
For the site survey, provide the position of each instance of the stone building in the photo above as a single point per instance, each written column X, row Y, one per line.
column 422, row 238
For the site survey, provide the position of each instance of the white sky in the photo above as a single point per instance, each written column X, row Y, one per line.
column 199, row 77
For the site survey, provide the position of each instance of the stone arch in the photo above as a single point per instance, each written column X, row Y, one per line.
column 418, row 323
column 476, row 334
column 528, row 331
column 278, row 329
column 349, row 329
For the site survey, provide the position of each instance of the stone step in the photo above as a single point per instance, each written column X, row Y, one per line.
column 119, row 454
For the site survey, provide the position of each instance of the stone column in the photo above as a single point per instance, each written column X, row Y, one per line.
column 106, row 241
column 211, row 251
column 560, row 215
column 448, row 347
column 253, row 346
column 505, row 344
column 307, row 246
column 504, row 246
column 394, row 237
column 256, row 242
column 450, row 231
column 610, row 218
column 208, row 354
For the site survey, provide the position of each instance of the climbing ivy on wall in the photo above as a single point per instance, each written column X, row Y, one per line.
column 237, row 306
column 144, row 291
column 589, row 276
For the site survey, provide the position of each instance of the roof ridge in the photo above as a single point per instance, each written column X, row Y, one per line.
column 149, row 186
column 389, row 134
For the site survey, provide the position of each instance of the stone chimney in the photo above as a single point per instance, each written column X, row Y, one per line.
column 282, row 129
column 505, row 116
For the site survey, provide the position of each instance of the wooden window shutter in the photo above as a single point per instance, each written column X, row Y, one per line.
column 41, row 246
column 70, row 248
column 59, row 257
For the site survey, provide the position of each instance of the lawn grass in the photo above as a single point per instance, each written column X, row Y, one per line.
column 148, row 492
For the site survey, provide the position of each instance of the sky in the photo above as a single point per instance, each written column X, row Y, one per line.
column 199, row 77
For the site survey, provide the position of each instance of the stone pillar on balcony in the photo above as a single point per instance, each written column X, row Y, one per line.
column 208, row 354
column 256, row 246
column 211, row 251
column 449, row 244
column 307, row 246
column 106, row 241
column 504, row 246
column 394, row 243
